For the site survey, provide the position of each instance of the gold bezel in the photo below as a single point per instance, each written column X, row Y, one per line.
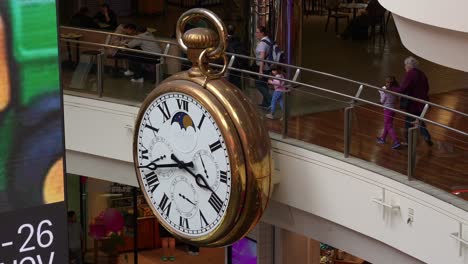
column 233, row 145
column 256, row 146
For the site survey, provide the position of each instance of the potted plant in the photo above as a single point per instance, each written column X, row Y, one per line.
column 110, row 246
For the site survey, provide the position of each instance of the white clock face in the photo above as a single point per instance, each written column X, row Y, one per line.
column 184, row 164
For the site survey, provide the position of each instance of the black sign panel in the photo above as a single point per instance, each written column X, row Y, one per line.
column 36, row 235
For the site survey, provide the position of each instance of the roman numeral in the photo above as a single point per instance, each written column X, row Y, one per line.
column 152, row 180
column 182, row 104
column 216, row 202
column 203, row 221
column 152, row 128
column 166, row 208
column 215, row 146
column 201, row 121
column 165, row 111
column 223, row 176
column 184, row 222
column 144, row 154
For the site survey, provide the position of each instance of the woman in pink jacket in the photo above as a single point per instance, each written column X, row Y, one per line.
column 389, row 100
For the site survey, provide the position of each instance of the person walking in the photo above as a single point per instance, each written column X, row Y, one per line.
column 235, row 46
column 389, row 100
column 278, row 86
column 262, row 51
column 414, row 84
column 75, row 239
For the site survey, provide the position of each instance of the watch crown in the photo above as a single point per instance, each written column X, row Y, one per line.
column 200, row 38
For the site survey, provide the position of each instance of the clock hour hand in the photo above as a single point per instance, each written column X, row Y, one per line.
column 199, row 179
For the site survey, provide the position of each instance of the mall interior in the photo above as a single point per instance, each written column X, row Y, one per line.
column 339, row 196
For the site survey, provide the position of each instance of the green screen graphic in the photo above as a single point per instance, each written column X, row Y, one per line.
column 31, row 116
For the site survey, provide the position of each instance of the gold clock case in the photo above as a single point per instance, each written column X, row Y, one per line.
column 248, row 146
column 256, row 150
column 233, row 145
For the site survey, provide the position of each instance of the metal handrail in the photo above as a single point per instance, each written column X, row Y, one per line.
column 125, row 48
column 355, row 98
column 293, row 67
column 118, row 34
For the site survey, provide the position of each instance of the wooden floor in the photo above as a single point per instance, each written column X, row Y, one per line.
column 444, row 165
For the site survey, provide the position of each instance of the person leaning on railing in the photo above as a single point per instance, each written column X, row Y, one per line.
column 414, row 84
column 145, row 41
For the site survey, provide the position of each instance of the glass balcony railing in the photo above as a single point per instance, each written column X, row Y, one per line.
column 330, row 111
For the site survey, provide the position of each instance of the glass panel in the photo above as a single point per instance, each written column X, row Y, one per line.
column 444, row 164
column 368, row 125
column 118, row 84
column 79, row 67
column 316, row 118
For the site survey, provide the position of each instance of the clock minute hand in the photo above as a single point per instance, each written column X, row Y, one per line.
column 199, row 179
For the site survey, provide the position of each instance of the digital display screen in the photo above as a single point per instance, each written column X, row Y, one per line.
column 33, row 228
column 243, row 251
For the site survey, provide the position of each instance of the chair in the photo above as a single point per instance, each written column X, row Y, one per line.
column 332, row 6
column 377, row 18
column 311, row 7
column 378, row 21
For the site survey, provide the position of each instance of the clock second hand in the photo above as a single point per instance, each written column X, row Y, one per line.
column 185, row 198
column 204, row 168
column 197, row 177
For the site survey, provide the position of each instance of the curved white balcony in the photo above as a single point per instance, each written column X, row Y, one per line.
column 447, row 14
column 350, row 204
column 434, row 30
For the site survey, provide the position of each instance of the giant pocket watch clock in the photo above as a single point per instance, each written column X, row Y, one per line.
column 201, row 152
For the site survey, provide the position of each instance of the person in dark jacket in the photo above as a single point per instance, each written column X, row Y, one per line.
column 358, row 28
column 414, row 84
column 106, row 17
column 83, row 20
column 234, row 45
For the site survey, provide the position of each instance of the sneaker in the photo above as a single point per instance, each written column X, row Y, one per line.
column 164, row 258
column 396, row 145
column 380, row 140
column 172, row 258
column 128, row 73
column 139, row 80
column 269, row 116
